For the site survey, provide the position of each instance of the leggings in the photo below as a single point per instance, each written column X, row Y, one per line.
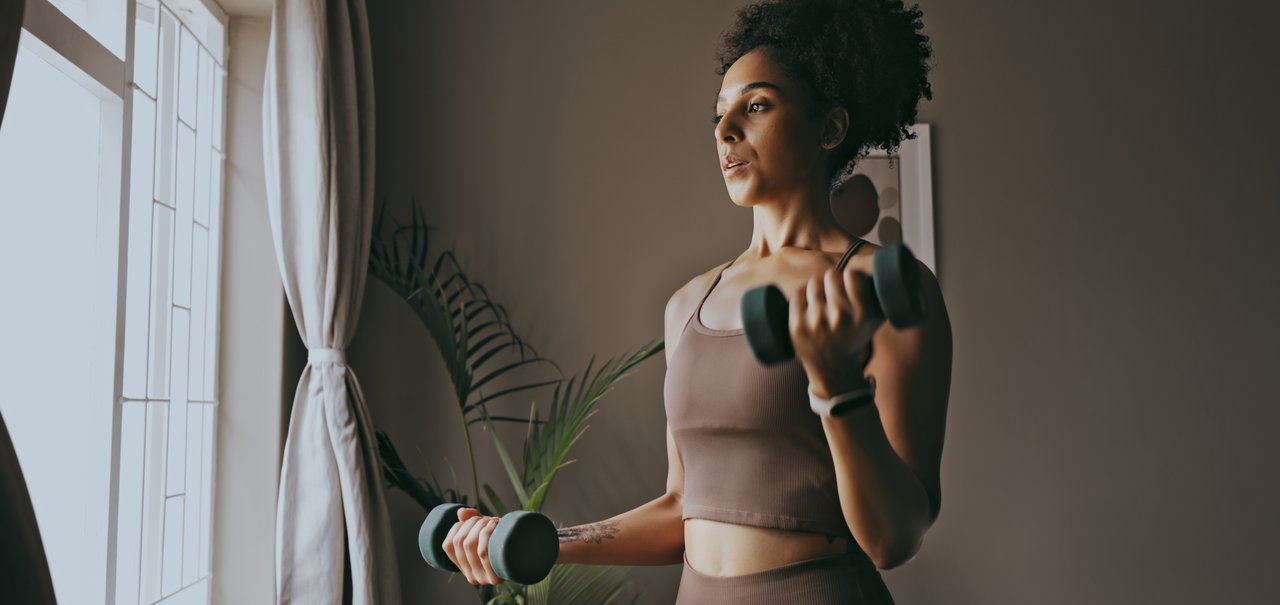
column 844, row 579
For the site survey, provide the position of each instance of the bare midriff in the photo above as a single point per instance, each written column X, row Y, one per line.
column 721, row 549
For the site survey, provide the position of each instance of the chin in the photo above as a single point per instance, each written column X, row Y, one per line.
column 742, row 196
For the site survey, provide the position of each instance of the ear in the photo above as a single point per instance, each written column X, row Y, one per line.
column 835, row 125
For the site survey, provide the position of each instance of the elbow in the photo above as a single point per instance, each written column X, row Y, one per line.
column 889, row 556
column 896, row 550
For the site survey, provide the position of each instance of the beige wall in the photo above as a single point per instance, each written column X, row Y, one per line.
column 254, row 320
column 1105, row 199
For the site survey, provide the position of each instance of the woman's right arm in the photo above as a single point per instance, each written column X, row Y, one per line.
column 650, row 534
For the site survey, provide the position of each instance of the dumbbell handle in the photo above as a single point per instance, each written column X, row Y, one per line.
column 523, row 548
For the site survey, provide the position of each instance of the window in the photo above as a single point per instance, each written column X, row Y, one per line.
column 109, row 245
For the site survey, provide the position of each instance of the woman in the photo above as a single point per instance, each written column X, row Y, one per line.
column 786, row 503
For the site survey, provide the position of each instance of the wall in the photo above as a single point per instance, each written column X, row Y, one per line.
column 1105, row 195
column 254, row 321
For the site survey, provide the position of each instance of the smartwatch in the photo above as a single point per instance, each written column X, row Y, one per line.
column 843, row 403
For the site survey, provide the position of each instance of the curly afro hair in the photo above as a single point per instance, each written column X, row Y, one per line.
column 867, row 56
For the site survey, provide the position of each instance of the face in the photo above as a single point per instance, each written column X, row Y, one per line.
column 761, row 119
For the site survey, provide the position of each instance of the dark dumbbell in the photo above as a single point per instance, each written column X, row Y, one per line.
column 899, row 298
column 522, row 548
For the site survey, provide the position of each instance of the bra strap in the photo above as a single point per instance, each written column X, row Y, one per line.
column 698, row 309
column 707, row 294
column 849, row 253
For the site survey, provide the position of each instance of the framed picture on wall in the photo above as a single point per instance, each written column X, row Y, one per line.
column 889, row 198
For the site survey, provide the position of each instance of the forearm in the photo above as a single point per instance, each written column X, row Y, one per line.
column 884, row 502
column 650, row 534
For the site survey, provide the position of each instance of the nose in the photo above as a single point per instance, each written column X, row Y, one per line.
column 727, row 129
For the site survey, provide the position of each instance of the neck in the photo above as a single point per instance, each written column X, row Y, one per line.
column 802, row 220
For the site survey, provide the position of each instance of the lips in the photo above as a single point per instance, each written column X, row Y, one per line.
column 731, row 161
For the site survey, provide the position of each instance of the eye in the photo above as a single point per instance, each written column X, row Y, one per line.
column 716, row 119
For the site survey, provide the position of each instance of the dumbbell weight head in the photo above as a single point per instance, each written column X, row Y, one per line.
column 524, row 547
column 764, row 321
column 433, row 532
column 898, row 286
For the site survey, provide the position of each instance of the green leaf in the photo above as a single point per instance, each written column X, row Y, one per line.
column 501, row 371
column 487, row 398
column 571, row 584
column 512, row 473
column 499, row 418
column 495, row 501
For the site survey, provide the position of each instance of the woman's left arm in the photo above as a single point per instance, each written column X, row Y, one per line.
column 887, row 456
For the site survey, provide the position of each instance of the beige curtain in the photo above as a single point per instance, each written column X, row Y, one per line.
column 318, row 142
column 24, row 570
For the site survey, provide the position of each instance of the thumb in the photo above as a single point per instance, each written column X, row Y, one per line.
column 465, row 513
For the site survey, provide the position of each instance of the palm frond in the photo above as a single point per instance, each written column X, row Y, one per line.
column 535, row 385
column 499, row 507
column 503, row 419
column 396, row 474
column 459, row 314
column 572, row 584
column 548, row 444
column 512, row 473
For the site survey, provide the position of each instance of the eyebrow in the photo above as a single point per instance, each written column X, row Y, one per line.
column 750, row 87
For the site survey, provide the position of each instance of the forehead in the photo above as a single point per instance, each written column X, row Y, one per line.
column 755, row 66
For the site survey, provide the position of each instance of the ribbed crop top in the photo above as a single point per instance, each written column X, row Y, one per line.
column 752, row 450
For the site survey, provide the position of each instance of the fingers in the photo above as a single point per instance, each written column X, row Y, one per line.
column 812, row 305
column 817, row 295
column 490, row 576
column 826, row 299
column 449, row 542
column 832, row 301
column 839, row 308
column 470, row 541
column 797, row 307
column 467, row 545
column 455, row 545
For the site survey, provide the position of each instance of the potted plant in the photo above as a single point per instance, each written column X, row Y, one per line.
column 470, row 331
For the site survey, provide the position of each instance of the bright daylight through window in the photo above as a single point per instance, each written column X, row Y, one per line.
column 112, row 165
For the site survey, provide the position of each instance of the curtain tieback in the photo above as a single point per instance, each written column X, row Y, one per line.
column 321, row 355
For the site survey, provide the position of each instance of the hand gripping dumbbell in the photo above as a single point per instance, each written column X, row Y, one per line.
column 522, row 548
column 899, row 297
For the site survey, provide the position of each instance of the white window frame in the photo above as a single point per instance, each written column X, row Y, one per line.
column 62, row 42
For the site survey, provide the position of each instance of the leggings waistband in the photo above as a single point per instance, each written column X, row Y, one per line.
column 842, row 579
column 764, row 575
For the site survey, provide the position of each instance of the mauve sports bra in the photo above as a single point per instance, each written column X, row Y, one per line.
column 753, row 452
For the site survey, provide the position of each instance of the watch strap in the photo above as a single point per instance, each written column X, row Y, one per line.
column 843, row 403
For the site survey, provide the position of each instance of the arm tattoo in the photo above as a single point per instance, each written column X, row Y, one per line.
column 593, row 532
